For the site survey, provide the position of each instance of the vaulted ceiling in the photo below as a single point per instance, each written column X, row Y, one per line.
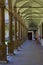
column 31, row 10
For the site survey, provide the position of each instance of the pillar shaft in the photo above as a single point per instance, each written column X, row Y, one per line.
column 25, row 34
column 2, row 24
column 19, row 25
column 10, row 44
column 42, row 30
column 15, row 31
column 19, row 29
column 10, row 28
column 3, row 57
column 22, row 31
column 10, row 20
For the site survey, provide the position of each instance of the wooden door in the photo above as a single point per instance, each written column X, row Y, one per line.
column 29, row 35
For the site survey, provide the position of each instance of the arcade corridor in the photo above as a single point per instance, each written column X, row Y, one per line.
column 31, row 53
column 21, row 20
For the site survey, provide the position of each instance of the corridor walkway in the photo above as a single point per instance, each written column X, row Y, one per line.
column 30, row 54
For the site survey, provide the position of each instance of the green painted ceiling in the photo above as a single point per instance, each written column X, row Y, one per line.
column 31, row 10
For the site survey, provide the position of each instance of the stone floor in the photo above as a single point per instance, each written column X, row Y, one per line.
column 29, row 54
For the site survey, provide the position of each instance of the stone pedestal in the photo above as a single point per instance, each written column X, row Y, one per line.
column 19, row 43
column 10, row 48
column 3, row 56
column 16, row 44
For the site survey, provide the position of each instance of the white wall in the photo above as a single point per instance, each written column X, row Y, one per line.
column 41, row 42
column 40, row 34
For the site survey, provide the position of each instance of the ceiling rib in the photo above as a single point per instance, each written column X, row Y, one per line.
column 29, row 7
column 33, row 12
column 39, row 2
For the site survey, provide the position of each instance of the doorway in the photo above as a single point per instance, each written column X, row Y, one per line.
column 29, row 35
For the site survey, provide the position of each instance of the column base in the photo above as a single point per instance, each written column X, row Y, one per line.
column 3, row 61
column 11, row 54
column 10, row 48
column 3, row 56
column 16, row 44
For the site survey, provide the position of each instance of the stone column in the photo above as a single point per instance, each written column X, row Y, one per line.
column 10, row 44
column 41, row 33
column 3, row 56
column 19, row 25
column 21, row 30
column 37, row 36
column 19, row 40
column 42, row 30
column 15, row 30
column 24, row 32
column 15, row 14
